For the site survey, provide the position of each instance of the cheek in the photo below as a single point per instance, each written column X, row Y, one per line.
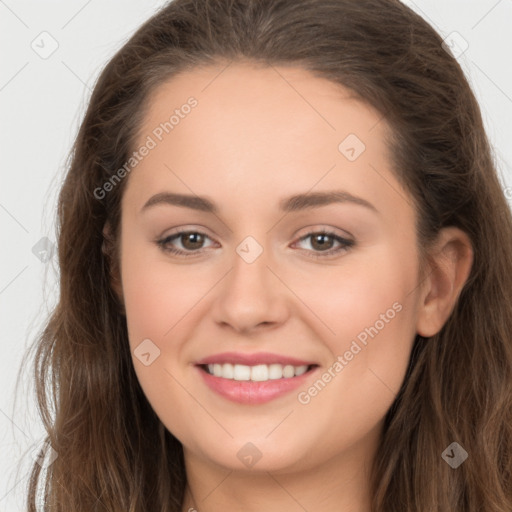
column 158, row 300
column 157, row 294
column 368, row 295
column 370, row 311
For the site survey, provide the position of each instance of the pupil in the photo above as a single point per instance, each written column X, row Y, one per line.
column 195, row 239
column 322, row 245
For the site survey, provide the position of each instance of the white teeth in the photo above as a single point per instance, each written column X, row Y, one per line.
column 228, row 371
column 288, row 371
column 300, row 370
column 241, row 372
column 275, row 371
column 257, row 373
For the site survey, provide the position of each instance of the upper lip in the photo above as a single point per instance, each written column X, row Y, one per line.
column 252, row 359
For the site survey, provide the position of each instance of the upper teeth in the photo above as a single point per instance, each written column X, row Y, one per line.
column 260, row 372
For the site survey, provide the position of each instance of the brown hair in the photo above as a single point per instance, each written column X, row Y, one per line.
column 114, row 453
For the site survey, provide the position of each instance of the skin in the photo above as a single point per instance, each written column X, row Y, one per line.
column 258, row 135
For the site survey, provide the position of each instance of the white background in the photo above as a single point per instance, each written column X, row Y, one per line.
column 42, row 102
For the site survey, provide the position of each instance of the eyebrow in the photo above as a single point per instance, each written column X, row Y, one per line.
column 293, row 203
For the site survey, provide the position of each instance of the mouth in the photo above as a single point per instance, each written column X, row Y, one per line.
column 256, row 373
column 254, row 378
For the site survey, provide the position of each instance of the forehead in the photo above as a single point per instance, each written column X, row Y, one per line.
column 262, row 99
column 259, row 130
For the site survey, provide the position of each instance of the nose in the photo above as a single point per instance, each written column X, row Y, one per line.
column 251, row 296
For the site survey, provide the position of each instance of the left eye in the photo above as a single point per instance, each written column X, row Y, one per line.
column 321, row 241
column 192, row 241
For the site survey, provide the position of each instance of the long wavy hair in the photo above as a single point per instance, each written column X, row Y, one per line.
column 114, row 452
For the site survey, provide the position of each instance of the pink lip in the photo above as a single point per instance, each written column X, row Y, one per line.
column 252, row 359
column 249, row 392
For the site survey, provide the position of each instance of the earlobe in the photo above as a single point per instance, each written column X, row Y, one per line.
column 450, row 263
column 108, row 249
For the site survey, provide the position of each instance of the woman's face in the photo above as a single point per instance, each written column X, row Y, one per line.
column 255, row 165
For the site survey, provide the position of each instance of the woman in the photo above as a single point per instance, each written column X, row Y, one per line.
column 285, row 272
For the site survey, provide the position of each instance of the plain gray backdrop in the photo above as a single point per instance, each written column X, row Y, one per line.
column 52, row 53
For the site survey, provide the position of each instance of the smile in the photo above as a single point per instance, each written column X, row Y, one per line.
column 257, row 373
column 253, row 379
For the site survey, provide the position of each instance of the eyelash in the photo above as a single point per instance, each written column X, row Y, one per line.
column 345, row 243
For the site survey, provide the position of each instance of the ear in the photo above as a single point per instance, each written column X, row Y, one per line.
column 450, row 262
column 108, row 248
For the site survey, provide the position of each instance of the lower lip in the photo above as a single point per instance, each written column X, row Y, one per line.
column 251, row 392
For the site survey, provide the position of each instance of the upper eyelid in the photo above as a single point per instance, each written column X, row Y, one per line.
column 318, row 228
column 177, row 234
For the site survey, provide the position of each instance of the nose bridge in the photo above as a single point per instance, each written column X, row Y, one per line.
column 250, row 274
column 250, row 294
